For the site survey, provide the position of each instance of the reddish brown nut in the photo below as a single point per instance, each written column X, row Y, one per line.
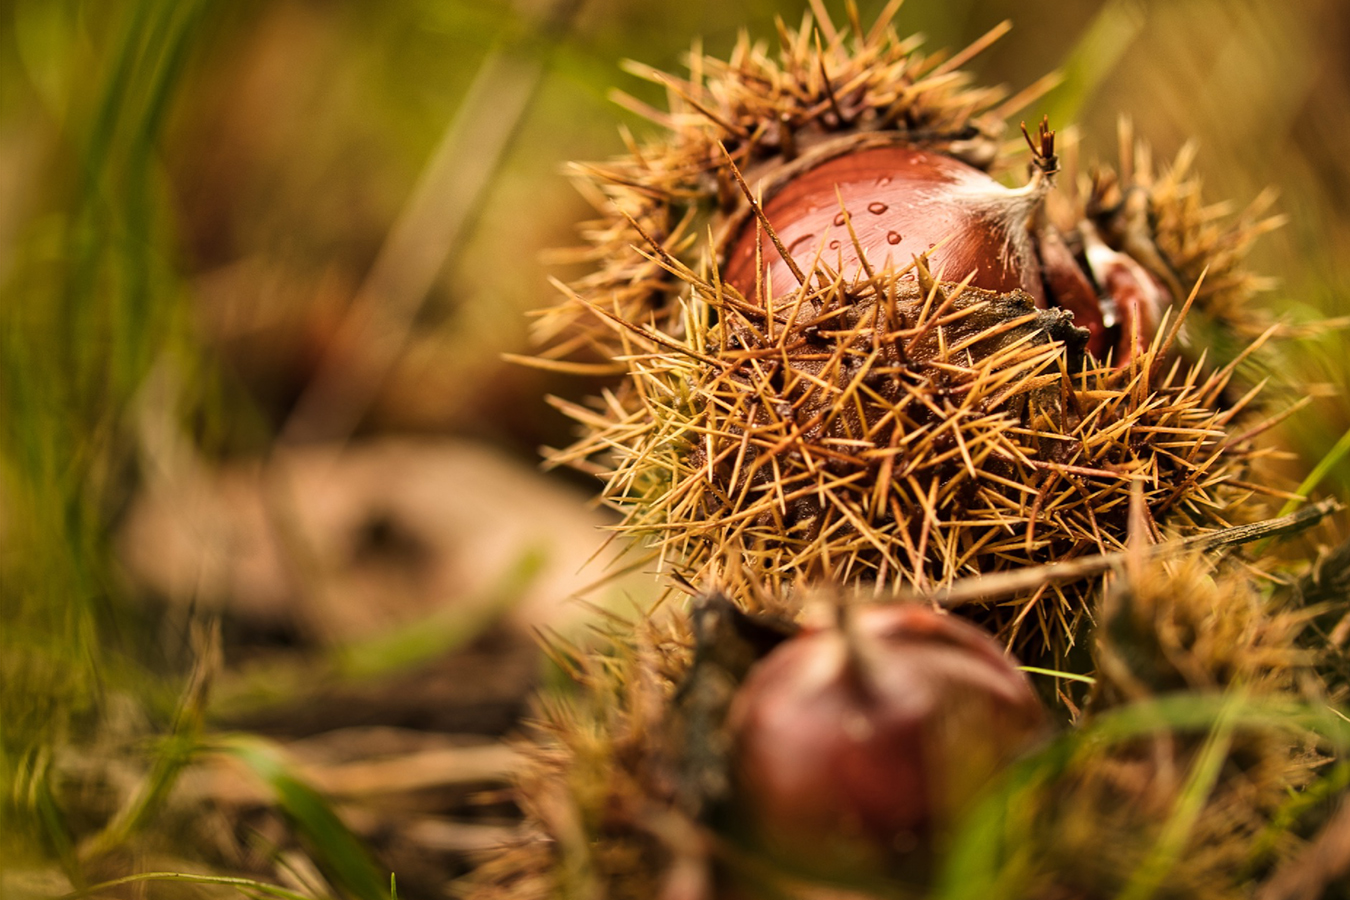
column 902, row 202
column 1068, row 286
column 855, row 748
column 1136, row 298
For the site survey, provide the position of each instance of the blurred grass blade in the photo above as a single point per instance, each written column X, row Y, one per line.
column 447, row 630
column 89, row 301
column 1324, row 467
column 247, row 886
column 340, row 854
column 176, row 750
column 1320, row 794
column 1069, row 676
column 978, row 864
column 399, row 649
column 973, row 868
column 1093, row 58
column 1201, row 712
column 1167, row 852
column 429, row 230
column 54, row 827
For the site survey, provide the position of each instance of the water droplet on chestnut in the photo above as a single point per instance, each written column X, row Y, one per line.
column 980, row 225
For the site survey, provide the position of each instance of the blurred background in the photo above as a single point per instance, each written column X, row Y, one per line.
column 274, row 546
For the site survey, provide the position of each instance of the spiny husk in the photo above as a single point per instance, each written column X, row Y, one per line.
column 825, row 91
column 1324, row 588
column 865, row 427
column 887, row 428
column 1098, row 826
column 771, row 113
column 1189, row 810
column 600, row 789
column 903, row 433
column 1192, row 808
column 1159, row 216
column 1189, row 624
column 626, row 767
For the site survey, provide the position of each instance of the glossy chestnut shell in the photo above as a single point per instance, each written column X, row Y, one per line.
column 902, row 201
column 854, row 748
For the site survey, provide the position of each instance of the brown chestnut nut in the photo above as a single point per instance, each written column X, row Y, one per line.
column 902, row 202
column 1135, row 298
column 881, row 206
column 856, row 746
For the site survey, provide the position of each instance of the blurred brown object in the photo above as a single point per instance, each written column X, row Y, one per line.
column 427, row 804
column 335, row 546
column 359, row 265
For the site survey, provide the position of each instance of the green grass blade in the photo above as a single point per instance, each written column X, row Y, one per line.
column 1172, row 842
column 977, row 865
column 1094, row 56
column 244, row 885
column 439, row 634
column 1068, row 676
column 339, row 853
column 1324, row 466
